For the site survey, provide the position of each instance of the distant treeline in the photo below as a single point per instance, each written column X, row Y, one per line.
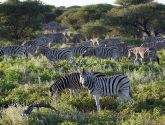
column 128, row 19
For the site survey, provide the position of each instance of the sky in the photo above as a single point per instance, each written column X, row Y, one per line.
column 68, row 3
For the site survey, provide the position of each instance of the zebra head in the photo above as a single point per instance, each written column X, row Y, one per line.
column 84, row 77
column 54, row 90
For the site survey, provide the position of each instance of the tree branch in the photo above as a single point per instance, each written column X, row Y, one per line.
column 30, row 108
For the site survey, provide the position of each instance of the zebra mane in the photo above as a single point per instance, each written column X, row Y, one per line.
column 64, row 78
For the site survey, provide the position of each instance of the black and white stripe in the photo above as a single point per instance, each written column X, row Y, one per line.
column 154, row 42
column 87, row 43
column 78, row 50
column 109, row 42
column 55, row 55
column 13, row 51
column 106, row 86
column 104, row 52
column 71, row 81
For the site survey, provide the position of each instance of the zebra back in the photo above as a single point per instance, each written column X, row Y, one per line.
column 154, row 42
column 71, row 81
column 55, row 55
column 78, row 50
column 105, row 86
column 86, row 43
column 108, row 52
column 13, row 50
column 90, row 52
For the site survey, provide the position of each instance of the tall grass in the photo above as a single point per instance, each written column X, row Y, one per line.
column 27, row 81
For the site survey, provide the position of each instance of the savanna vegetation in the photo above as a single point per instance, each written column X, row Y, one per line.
column 25, row 81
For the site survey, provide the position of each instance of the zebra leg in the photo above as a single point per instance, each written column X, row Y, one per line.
column 121, row 99
column 72, row 92
column 69, row 59
column 141, row 60
column 29, row 55
column 97, row 100
column 152, row 61
column 136, row 61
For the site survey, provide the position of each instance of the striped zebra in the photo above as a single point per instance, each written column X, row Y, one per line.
column 143, row 52
column 154, row 42
column 32, row 45
column 106, row 86
column 55, row 55
column 87, row 43
column 78, row 50
column 71, row 82
column 13, row 51
column 109, row 42
column 104, row 52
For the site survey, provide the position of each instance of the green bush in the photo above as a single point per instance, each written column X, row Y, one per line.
column 37, row 74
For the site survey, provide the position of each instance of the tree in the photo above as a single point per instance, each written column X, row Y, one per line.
column 94, row 29
column 21, row 18
column 140, row 19
column 131, row 2
column 12, row 1
column 75, row 18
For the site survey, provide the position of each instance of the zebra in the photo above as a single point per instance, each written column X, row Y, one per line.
column 106, row 86
column 31, row 46
column 78, row 50
column 55, row 55
column 104, row 52
column 143, row 52
column 109, row 42
column 154, row 42
column 90, row 52
column 87, row 43
column 13, row 51
column 71, row 82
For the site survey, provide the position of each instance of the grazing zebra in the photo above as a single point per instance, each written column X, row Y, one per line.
column 143, row 52
column 104, row 52
column 31, row 46
column 90, row 52
column 154, row 42
column 55, row 55
column 106, row 86
column 109, row 42
column 13, row 51
column 71, row 81
column 78, row 50
column 88, row 43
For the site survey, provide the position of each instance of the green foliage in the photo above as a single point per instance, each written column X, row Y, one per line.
column 138, row 19
column 91, row 13
column 94, row 29
column 21, row 18
column 130, row 2
column 27, row 81
column 27, row 95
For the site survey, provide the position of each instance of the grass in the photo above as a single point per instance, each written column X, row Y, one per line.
column 27, row 81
